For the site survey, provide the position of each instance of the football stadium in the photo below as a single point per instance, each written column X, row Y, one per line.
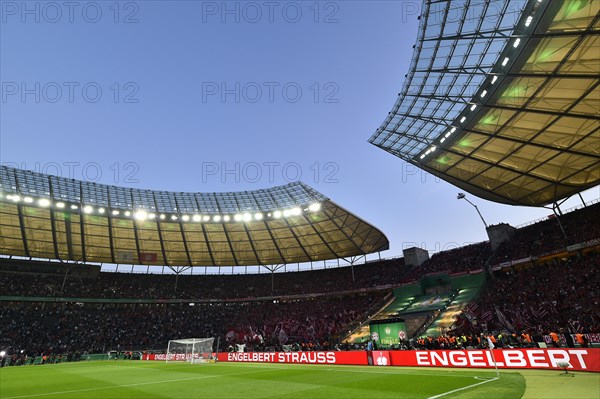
column 114, row 291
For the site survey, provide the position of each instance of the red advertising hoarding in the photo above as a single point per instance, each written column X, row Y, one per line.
column 580, row 359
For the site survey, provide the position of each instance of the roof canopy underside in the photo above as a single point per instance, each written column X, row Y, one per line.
column 503, row 99
column 69, row 233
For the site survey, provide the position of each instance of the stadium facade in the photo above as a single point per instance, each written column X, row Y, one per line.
column 502, row 99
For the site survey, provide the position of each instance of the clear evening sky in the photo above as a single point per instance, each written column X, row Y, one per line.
column 228, row 96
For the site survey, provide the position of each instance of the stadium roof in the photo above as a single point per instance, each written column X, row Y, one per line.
column 44, row 216
column 503, row 99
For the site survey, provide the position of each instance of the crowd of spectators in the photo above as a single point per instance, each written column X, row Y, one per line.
column 45, row 327
column 546, row 236
column 154, row 286
column 559, row 294
column 455, row 261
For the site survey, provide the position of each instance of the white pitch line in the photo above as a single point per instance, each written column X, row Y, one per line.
column 128, row 385
column 462, row 389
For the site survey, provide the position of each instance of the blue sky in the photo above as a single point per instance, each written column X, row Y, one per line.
column 228, row 96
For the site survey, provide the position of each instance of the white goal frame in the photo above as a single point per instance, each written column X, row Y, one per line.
column 190, row 352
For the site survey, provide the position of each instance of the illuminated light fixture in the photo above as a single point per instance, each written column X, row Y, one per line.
column 206, row 218
column 295, row 211
column 185, row 218
column 447, row 135
column 60, row 205
column 453, row 130
column 528, row 21
column 151, row 216
column 442, row 140
column 517, row 43
column 101, row 211
column 433, row 148
column 237, row 217
column 73, row 207
column 14, row 198
column 463, row 119
column 422, row 156
column 141, row 215
column 226, row 218
column 473, row 107
column 216, row 218
column 505, row 61
column 314, row 207
column 28, row 200
column 173, row 217
column 494, row 79
column 162, row 216
column 115, row 213
column 44, row 202
column 286, row 213
column 427, row 152
column 127, row 213
column 484, row 93
column 88, row 209
column 247, row 217
column 277, row 214
column 258, row 216
column 196, row 218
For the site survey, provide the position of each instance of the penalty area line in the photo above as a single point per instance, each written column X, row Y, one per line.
column 463, row 388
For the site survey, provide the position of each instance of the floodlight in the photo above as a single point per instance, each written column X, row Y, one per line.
column 115, row 212
column 73, row 207
column 101, row 210
column 141, row 215
column 206, row 218
column 88, row 209
column 286, row 213
column 517, row 43
column 2, row 353
column 247, row 217
column 506, row 59
column 151, row 215
column 14, row 198
column 196, row 218
column 258, row 216
column 463, row 119
column 484, row 93
column 314, row 207
column 494, row 79
column 28, row 200
column 237, row 217
column 529, row 19
column 473, row 107
column 44, row 202
column 217, row 218
column 277, row 214
column 226, row 218
column 295, row 211
column 185, row 218
column 127, row 213
column 60, row 205
column 162, row 216
column 173, row 217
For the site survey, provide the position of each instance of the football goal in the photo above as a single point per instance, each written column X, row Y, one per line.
column 192, row 350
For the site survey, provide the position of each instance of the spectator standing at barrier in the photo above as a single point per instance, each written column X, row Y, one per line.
column 568, row 338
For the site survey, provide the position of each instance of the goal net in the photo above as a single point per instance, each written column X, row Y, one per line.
column 192, row 350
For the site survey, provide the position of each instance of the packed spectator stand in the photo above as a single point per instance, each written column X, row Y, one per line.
column 143, row 311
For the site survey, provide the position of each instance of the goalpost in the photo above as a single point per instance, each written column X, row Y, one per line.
column 191, row 350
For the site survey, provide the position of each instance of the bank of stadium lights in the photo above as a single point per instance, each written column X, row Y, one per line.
column 142, row 214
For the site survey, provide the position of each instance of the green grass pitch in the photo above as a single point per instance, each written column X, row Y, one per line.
column 137, row 379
